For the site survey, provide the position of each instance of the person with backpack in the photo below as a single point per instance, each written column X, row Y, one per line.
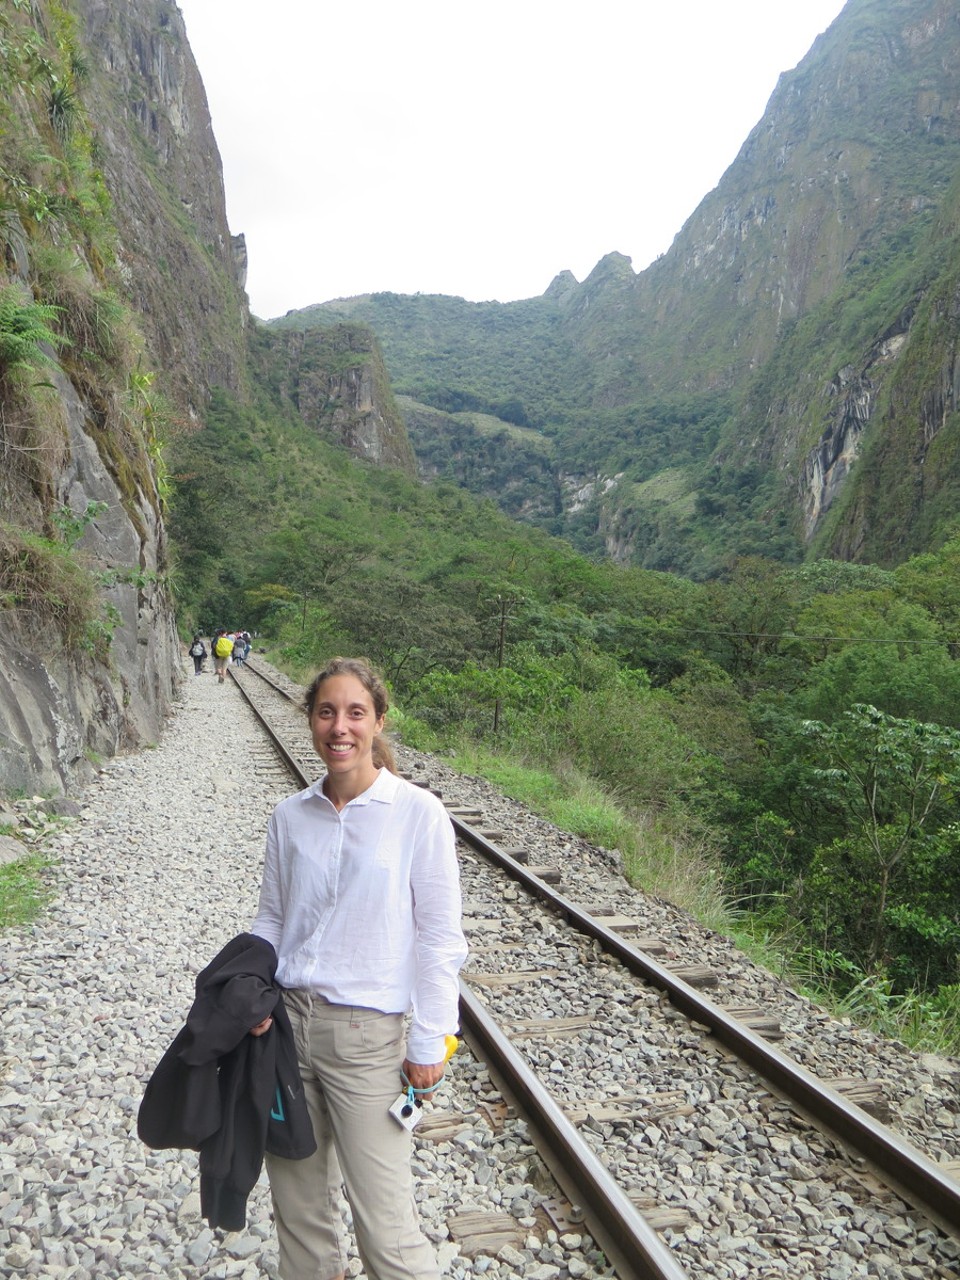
column 239, row 650
column 222, row 649
column 198, row 652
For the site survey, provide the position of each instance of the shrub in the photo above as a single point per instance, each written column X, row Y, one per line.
column 51, row 585
column 24, row 331
column 93, row 320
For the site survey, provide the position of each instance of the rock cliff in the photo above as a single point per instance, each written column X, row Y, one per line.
column 336, row 380
column 120, row 306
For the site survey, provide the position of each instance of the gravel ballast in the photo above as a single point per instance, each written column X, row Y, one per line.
column 159, row 867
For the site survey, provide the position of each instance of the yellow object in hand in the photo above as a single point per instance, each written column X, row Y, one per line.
column 451, row 1044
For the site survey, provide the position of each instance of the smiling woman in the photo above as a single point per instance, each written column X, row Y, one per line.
column 471, row 109
column 361, row 901
column 345, row 721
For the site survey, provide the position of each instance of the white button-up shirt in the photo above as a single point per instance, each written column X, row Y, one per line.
column 363, row 905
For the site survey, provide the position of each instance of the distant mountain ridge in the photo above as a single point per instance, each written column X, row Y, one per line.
column 780, row 381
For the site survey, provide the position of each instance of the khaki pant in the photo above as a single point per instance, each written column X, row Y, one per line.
column 350, row 1064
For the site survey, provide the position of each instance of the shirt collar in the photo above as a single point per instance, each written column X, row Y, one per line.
column 384, row 789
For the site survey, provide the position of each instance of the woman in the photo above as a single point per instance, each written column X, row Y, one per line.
column 361, row 900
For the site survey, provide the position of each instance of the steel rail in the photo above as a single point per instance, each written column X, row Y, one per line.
column 289, row 760
column 628, row 1240
column 284, row 693
column 907, row 1170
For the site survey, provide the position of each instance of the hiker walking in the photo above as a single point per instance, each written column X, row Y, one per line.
column 198, row 652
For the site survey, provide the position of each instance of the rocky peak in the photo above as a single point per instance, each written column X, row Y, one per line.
column 612, row 267
column 562, row 286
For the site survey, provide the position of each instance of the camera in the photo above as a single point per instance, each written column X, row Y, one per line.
column 406, row 1112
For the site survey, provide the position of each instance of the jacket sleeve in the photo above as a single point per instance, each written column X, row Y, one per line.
column 181, row 1104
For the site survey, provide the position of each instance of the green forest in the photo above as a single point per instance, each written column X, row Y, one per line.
column 777, row 749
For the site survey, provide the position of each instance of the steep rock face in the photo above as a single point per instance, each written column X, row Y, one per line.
column 338, row 383
column 852, row 399
column 89, row 656
column 819, row 223
column 61, row 708
column 855, row 142
column 828, row 465
column 64, row 703
column 183, row 270
column 905, row 495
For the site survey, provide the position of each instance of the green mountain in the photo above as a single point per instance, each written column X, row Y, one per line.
column 779, row 382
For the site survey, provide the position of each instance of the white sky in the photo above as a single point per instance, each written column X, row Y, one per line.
column 477, row 150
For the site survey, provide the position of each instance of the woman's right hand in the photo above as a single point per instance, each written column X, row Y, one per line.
column 262, row 1028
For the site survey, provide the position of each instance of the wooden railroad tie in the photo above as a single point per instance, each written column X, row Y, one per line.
column 513, row 979
column 630, row 1107
column 551, row 1028
column 866, row 1094
column 423, row 785
column 625, row 924
column 662, row 1217
column 441, row 1126
column 760, row 1020
column 478, row 924
column 549, row 875
column 485, row 1234
column 695, row 975
column 518, row 852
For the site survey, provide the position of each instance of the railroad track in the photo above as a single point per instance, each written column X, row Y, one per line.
column 668, row 1094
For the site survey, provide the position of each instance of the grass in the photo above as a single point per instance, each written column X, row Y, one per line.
column 52, row 586
column 927, row 1022
column 23, row 893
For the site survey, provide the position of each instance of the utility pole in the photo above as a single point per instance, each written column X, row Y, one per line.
column 501, row 641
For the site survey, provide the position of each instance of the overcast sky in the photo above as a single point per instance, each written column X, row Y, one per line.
column 441, row 147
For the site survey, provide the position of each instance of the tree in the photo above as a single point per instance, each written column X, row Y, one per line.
column 309, row 557
column 895, row 781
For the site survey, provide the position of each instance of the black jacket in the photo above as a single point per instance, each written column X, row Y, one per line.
column 225, row 1093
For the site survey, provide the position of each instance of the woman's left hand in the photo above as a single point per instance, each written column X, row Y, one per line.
column 423, row 1075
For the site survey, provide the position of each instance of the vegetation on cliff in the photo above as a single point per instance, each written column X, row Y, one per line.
column 61, row 317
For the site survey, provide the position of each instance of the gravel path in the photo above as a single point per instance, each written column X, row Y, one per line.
column 159, row 869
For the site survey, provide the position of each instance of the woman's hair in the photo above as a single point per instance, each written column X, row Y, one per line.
column 383, row 756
